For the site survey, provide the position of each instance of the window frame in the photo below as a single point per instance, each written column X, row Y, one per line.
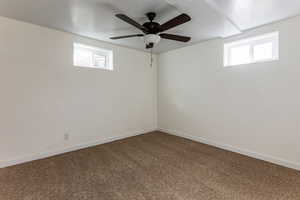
column 252, row 42
column 95, row 51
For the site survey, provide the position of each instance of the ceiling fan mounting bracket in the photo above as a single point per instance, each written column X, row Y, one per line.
column 151, row 16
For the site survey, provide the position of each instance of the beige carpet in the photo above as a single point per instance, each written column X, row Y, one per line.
column 153, row 166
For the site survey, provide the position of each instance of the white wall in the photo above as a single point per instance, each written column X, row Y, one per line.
column 252, row 109
column 43, row 96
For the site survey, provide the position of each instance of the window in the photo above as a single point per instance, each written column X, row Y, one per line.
column 93, row 57
column 252, row 50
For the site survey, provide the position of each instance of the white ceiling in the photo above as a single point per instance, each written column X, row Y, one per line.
column 95, row 18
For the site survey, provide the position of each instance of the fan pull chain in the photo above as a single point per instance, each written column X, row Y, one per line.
column 151, row 58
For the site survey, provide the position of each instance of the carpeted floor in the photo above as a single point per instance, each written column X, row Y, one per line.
column 154, row 166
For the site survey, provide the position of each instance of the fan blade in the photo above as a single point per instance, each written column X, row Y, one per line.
column 126, row 36
column 181, row 19
column 132, row 22
column 175, row 37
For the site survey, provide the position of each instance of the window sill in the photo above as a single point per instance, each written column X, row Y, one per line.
column 251, row 63
column 89, row 67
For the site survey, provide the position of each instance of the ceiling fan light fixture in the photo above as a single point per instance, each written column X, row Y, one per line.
column 152, row 38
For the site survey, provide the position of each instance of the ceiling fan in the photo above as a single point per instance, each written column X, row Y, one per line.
column 153, row 31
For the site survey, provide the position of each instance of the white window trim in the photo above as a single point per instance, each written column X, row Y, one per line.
column 108, row 54
column 271, row 37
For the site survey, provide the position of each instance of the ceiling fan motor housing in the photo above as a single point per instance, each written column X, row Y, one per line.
column 152, row 27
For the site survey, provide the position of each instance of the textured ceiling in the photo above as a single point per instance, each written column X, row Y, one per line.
column 95, row 18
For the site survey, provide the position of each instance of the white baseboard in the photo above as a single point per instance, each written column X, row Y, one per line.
column 271, row 159
column 38, row 156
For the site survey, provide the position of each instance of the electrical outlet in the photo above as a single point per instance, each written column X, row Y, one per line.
column 66, row 136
